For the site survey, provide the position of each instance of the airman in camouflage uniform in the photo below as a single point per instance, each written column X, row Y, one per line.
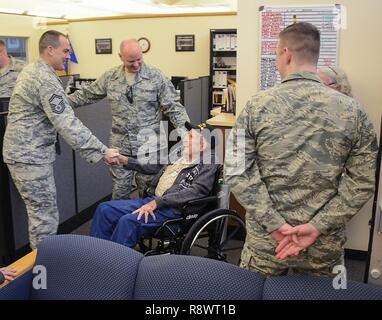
column 310, row 156
column 38, row 109
column 9, row 70
column 137, row 93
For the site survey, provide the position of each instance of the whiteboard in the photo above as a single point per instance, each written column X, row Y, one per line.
column 274, row 19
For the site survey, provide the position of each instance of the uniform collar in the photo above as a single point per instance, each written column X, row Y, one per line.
column 48, row 67
column 12, row 64
column 307, row 75
column 143, row 73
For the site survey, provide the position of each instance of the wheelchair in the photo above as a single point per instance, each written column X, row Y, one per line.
column 203, row 229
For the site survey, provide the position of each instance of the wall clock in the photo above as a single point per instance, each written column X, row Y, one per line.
column 144, row 44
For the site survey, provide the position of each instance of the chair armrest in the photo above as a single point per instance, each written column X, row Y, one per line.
column 166, row 225
column 22, row 265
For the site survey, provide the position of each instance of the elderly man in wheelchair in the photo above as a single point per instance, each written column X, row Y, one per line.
column 180, row 194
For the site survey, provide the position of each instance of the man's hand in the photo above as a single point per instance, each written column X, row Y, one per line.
column 283, row 240
column 277, row 234
column 9, row 273
column 303, row 236
column 146, row 210
column 111, row 157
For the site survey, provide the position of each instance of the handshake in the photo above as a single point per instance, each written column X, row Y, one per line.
column 112, row 157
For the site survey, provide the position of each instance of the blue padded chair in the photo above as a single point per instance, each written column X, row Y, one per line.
column 174, row 277
column 82, row 267
column 299, row 287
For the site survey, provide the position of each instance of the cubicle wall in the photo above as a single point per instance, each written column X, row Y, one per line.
column 194, row 96
column 93, row 181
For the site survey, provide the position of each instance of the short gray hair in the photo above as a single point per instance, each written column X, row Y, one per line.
column 49, row 38
column 339, row 79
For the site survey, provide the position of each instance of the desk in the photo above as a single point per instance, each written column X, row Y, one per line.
column 222, row 120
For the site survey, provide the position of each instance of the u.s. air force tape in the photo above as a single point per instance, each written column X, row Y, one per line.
column 57, row 103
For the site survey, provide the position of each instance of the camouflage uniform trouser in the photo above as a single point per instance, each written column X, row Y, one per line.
column 319, row 259
column 37, row 188
column 122, row 180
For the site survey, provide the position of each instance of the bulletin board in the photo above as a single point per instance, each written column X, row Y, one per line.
column 274, row 19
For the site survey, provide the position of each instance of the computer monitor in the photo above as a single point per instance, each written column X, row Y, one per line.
column 176, row 81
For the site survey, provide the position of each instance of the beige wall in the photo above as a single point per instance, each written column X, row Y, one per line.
column 161, row 33
column 21, row 26
column 359, row 56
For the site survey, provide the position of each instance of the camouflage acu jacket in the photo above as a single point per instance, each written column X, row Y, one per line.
column 309, row 156
column 8, row 76
column 37, row 110
column 151, row 93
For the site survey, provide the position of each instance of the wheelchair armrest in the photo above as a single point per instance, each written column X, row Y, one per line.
column 198, row 202
column 166, row 225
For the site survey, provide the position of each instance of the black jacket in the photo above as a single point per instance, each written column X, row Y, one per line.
column 192, row 183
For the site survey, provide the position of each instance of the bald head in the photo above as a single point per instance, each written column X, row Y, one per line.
column 131, row 55
column 129, row 45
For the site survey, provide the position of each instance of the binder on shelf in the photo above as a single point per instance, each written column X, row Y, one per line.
column 220, row 79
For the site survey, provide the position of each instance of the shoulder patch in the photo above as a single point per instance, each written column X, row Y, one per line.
column 57, row 103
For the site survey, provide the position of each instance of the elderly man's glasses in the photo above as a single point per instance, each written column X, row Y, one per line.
column 129, row 94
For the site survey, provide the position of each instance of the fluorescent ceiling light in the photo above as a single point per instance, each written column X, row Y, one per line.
column 74, row 9
column 11, row 10
column 43, row 14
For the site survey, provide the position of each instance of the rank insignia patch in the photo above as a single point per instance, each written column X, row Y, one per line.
column 57, row 103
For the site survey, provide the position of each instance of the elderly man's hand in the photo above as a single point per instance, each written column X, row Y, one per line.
column 123, row 159
column 146, row 210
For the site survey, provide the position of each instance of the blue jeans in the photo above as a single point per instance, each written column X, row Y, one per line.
column 113, row 221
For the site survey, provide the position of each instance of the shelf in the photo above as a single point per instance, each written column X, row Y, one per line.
column 224, row 69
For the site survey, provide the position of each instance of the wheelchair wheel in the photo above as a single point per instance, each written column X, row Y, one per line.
column 219, row 234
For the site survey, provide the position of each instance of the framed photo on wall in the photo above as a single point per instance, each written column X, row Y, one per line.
column 185, row 42
column 103, row 46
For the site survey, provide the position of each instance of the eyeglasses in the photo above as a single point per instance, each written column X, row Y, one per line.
column 129, row 94
column 331, row 68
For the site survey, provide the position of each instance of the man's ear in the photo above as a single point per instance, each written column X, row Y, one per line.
column 49, row 50
column 288, row 55
column 120, row 56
